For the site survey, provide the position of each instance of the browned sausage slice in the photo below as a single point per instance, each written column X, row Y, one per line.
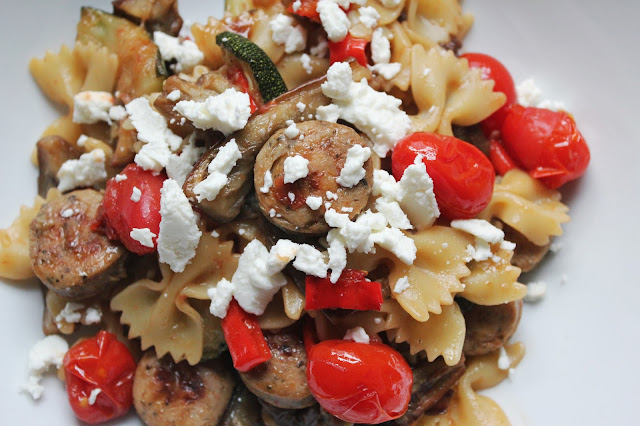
column 489, row 327
column 282, row 381
column 52, row 151
column 167, row 394
column 325, row 146
column 66, row 254
column 526, row 255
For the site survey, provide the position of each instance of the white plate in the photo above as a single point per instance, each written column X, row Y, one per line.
column 582, row 339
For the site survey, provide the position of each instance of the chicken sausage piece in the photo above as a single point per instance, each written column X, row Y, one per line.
column 282, row 381
column 166, row 393
column 52, row 151
column 489, row 327
column 66, row 254
column 325, row 146
column 526, row 255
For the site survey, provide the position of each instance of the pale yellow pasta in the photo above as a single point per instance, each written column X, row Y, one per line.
column 15, row 263
column 446, row 91
column 204, row 35
column 260, row 32
column 493, row 283
column 387, row 14
column 293, row 300
column 528, row 206
column 467, row 407
column 295, row 74
column 274, row 316
column 434, row 22
column 400, row 53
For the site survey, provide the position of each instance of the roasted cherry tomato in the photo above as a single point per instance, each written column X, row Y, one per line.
column 545, row 143
column 121, row 214
column 99, row 375
column 462, row 176
column 359, row 382
column 237, row 78
column 349, row 47
column 499, row 157
column 492, row 69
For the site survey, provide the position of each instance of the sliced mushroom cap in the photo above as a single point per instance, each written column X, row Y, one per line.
column 325, row 146
column 489, row 327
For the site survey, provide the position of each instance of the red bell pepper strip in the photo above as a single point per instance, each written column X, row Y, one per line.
column 351, row 291
column 244, row 338
column 307, row 9
column 349, row 47
column 499, row 157
column 237, row 78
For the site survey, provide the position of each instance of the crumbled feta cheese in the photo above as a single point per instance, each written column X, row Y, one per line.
column 328, row 113
column 377, row 114
column 283, row 32
column 82, row 139
column 220, row 296
column 292, row 130
column 136, row 194
column 479, row 228
column 226, row 112
column 93, row 396
column 393, row 213
column 380, row 47
column 536, row 290
column 390, row 3
column 313, row 202
column 86, row 171
column 117, row 113
column 369, row 16
column 334, row 20
column 296, row 5
column 346, row 209
column 90, row 107
column 529, row 95
column 218, row 170
column 152, row 129
column 353, row 170
column 504, row 362
column 337, row 255
column 387, row 71
column 268, row 182
column 292, row 196
column 283, row 252
column 555, row 246
column 179, row 234
column 179, row 166
column 397, row 243
column 321, row 49
column 92, row 315
column 174, row 95
column 67, row 213
column 143, row 235
column 295, row 168
column 71, row 313
column 120, row 178
column 331, row 195
column 301, row 107
column 48, row 352
column 310, row 261
column 305, row 60
column 357, row 334
column 185, row 52
column 272, row 213
column 401, row 285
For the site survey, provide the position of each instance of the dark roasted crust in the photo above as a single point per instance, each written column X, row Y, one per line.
column 489, row 327
column 52, row 151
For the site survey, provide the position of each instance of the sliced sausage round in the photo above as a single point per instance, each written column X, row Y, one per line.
column 66, row 254
column 166, row 393
column 489, row 327
column 526, row 255
column 325, row 146
column 282, row 381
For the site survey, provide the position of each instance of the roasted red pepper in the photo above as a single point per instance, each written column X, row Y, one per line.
column 499, row 157
column 351, row 291
column 244, row 338
column 349, row 47
column 306, row 8
column 237, row 78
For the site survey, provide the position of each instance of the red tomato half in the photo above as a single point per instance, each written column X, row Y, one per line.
column 545, row 143
column 103, row 363
column 358, row 382
column 462, row 175
column 121, row 214
column 492, row 69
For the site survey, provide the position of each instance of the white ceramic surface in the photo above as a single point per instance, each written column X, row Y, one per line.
column 582, row 339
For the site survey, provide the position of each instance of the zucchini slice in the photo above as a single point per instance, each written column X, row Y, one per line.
column 264, row 70
column 140, row 69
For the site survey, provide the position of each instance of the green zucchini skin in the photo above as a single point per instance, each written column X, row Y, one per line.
column 269, row 81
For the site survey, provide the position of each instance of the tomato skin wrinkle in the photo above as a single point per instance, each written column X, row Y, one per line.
column 359, row 382
column 462, row 175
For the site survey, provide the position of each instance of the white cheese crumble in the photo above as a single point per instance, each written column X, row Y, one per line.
column 90, row 107
column 485, row 234
column 284, row 33
column 185, row 52
column 92, row 315
column 353, row 170
column 305, row 60
column 369, row 16
column 120, row 178
column 67, row 213
column 401, row 285
column 226, row 112
column 82, row 139
column 292, row 130
column 179, row 166
column 380, row 47
column 321, row 49
column 174, row 95
column 504, row 362
column 536, row 290
column 220, row 296
column 136, row 194
column 296, row 5
column 300, row 106
column 295, row 168
column 529, row 95
column 310, row 261
column 143, row 235
column 331, row 195
column 387, row 71
column 268, row 182
column 357, row 334
column 292, row 196
column 313, row 202
column 86, row 171
column 334, row 20
column 218, row 169
column 179, row 234
column 117, row 113
column 390, row 3
column 328, row 113
column 48, row 352
column 377, row 114
column 93, row 396
column 73, row 313
column 152, row 129
column 337, row 256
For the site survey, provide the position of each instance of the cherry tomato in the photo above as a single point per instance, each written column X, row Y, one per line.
column 359, row 382
column 101, row 366
column 462, row 176
column 500, row 158
column 492, row 69
column 547, row 144
column 121, row 214
column 349, row 47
